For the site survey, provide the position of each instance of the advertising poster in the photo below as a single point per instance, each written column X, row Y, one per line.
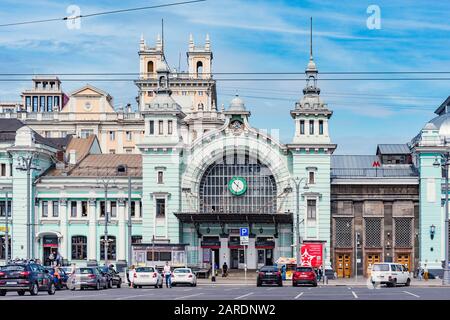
column 311, row 254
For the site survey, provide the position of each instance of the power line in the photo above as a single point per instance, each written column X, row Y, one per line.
column 249, row 79
column 100, row 13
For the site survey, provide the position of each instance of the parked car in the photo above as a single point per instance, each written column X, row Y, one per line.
column 147, row 276
column 112, row 276
column 61, row 281
column 67, row 270
column 88, row 277
column 183, row 276
column 269, row 274
column 24, row 276
column 390, row 274
column 304, row 275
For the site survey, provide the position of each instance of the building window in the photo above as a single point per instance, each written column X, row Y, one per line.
column 42, row 103
column 86, row 133
column 47, row 134
column 311, row 126
column 28, row 103
column 55, row 207
column 56, row 100
column 128, row 150
column 63, row 134
column 45, row 209
column 184, row 93
column 112, row 135
column 49, row 104
column 113, row 209
column 84, row 208
column 160, row 177
column 151, row 127
column 79, row 248
column 320, row 126
column 35, row 104
column 169, row 127
column 3, row 169
column 102, row 208
column 302, row 126
column 150, row 67
column 140, row 209
column 129, row 135
column 200, row 93
column 111, row 248
column 112, row 151
column 160, row 208
column 133, row 209
column 312, row 177
column 311, row 209
column 73, row 209
column 3, row 208
column 161, row 127
column 136, row 239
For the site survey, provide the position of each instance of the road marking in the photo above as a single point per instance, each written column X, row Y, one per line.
column 354, row 294
column 84, row 296
column 349, row 288
column 188, row 289
column 230, row 289
column 309, row 288
column 415, row 295
column 243, row 296
column 268, row 289
column 192, row 295
column 135, row 296
column 299, row 295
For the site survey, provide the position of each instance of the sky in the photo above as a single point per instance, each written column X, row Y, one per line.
column 254, row 36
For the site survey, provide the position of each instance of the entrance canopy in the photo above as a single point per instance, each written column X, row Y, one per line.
column 234, row 217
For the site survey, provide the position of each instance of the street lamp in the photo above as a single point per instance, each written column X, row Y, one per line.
column 26, row 164
column 444, row 164
column 297, row 182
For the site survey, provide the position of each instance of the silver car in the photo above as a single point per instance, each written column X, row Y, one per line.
column 88, row 277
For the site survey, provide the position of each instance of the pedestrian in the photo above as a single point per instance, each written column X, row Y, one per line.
column 425, row 272
column 57, row 278
column 283, row 272
column 51, row 258
column 167, row 275
column 58, row 259
column 320, row 274
column 420, row 273
column 224, row 269
column 130, row 275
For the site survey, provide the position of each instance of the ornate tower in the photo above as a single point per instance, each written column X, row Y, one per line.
column 199, row 59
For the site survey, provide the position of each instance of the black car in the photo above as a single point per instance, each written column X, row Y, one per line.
column 112, row 276
column 24, row 276
column 269, row 274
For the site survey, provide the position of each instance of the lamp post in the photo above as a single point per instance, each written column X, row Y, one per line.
column 6, row 230
column 27, row 165
column 445, row 164
column 297, row 182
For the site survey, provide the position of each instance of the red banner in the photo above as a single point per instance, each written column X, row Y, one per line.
column 311, row 254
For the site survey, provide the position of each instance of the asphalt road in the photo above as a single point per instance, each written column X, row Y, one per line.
column 239, row 293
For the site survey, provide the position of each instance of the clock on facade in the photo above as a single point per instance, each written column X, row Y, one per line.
column 237, row 186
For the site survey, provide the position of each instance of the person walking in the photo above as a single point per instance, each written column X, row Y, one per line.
column 167, row 275
column 130, row 275
column 58, row 259
column 425, row 272
column 224, row 269
column 51, row 258
column 420, row 273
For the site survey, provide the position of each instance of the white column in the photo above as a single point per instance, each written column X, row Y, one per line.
column 92, row 237
column 122, row 240
column 119, row 141
column 78, row 209
column 64, row 250
column 224, row 252
column 251, row 254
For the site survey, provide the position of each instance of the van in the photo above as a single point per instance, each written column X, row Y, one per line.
column 390, row 274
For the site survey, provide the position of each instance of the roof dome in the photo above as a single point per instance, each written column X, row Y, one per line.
column 442, row 123
column 430, row 126
column 237, row 104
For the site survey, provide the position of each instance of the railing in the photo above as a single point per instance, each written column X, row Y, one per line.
column 374, row 172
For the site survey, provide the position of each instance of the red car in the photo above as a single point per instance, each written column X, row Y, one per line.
column 304, row 275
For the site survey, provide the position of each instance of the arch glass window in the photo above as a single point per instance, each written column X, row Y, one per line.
column 79, row 248
column 199, row 68
column 259, row 197
column 150, row 67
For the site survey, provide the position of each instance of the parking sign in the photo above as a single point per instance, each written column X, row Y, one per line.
column 243, row 232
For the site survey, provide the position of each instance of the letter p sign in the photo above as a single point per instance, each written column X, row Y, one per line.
column 374, row 20
column 73, row 20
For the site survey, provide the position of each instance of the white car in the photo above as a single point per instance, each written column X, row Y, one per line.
column 147, row 276
column 390, row 274
column 183, row 276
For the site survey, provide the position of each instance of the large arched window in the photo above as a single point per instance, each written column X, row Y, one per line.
column 111, row 248
column 79, row 248
column 150, row 67
column 199, row 68
column 216, row 194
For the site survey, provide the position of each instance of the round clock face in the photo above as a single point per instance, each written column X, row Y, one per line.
column 237, row 186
